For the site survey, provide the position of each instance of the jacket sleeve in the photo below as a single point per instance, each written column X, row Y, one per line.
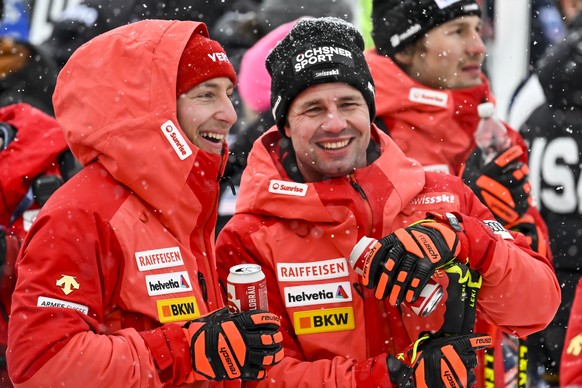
column 520, row 292
column 58, row 333
column 293, row 371
column 571, row 365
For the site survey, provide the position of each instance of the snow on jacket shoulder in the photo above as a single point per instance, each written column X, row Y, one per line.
column 302, row 233
column 123, row 253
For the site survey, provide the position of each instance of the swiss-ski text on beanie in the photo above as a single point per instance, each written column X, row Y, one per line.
column 397, row 23
column 202, row 59
column 316, row 51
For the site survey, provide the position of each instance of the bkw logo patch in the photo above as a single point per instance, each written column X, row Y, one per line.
column 177, row 309
column 323, row 321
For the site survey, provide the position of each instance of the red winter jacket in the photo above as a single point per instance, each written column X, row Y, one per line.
column 336, row 334
column 123, row 253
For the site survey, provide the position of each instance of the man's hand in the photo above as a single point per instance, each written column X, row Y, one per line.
column 502, row 185
column 226, row 346
column 400, row 265
column 438, row 362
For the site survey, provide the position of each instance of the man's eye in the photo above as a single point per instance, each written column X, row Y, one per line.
column 313, row 110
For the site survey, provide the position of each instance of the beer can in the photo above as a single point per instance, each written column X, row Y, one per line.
column 246, row 287
column 430, row 295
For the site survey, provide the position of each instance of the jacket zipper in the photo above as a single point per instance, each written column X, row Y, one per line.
column 360, row 190
column 357, row 187
column 203, row 288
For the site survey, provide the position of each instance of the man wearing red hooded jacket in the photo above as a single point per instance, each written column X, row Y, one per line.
column 116, row 282
column 427, row 68
column 323, row 178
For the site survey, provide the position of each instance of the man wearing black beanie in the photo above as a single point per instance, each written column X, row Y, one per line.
column 323, row 178
column 427, row 68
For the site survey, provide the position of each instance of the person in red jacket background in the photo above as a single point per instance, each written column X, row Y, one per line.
column 427, row 68
column 324, row 177
column 34, row 161
column 116, row 280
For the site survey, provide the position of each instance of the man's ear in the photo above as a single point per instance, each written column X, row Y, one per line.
column 404, row 57
column 287, row 130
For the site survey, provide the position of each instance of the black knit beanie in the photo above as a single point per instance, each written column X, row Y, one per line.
column 317, row 51
column 397, row 23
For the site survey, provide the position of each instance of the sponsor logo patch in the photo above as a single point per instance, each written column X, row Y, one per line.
column 177, row 309
column 322, row 54
column 316, row 270
column 52, row 302
column 323, row 321
column 428, row 97
column 318, row 294
column 498, row 229
column 326, row 73
column 168, row 283
column 433, row 199
column 287, row 188
column 176, row 139
column 158, row 258
column 68, row 284
column 396, row 39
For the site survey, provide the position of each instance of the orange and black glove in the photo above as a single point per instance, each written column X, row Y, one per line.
column 502, row 184
column 227, row 346
column 438, row 362
column 400, row 265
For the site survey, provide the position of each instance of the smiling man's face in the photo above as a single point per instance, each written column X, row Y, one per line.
column 206, row 113
column 449, row 56
column 329, row 126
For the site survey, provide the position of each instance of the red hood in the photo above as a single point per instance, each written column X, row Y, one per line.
column 118, row 117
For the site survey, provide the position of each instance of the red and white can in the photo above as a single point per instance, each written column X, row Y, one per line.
column 247, row 288
column 430, row 295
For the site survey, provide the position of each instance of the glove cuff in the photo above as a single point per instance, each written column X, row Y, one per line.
column 477, row 240
column 170, row 351
column 373, row 373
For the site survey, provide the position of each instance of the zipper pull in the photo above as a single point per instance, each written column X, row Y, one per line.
column 358, row 188
column 202, row 284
